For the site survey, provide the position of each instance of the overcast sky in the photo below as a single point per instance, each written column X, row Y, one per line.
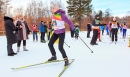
column 118, row 7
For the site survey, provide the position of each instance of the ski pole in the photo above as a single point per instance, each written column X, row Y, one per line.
column 86, row 45
column 67, row 44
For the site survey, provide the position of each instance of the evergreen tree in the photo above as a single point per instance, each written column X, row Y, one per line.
column 100, row 14
column 77, row 9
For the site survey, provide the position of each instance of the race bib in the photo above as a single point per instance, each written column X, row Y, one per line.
column 54, row 23
column 114, row 25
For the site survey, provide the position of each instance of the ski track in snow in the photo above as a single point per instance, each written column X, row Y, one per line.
column 108, row 60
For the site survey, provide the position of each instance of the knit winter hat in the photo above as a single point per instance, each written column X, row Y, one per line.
column 96, row 16
column 56, row 5
column 8, row 15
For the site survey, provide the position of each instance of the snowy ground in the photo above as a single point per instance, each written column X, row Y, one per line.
column 108, row 60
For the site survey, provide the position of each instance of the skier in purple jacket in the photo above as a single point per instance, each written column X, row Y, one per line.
column 58, row 19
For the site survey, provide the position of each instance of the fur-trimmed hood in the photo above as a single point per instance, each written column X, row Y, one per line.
column 7, row 18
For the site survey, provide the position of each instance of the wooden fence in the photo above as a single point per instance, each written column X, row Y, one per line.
column 2, row 33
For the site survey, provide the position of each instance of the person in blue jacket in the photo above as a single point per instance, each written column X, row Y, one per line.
column 102, row 29
column 121, row 28
column 124, row 30
column 107, row 30
column 42, row 31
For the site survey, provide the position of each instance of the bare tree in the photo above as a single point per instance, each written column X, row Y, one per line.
column 3, row 10
column 18, row 10
column 3, row 6
column 107, row 15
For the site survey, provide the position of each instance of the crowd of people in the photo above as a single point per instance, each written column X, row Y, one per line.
column 18, row 31
column 112, row 29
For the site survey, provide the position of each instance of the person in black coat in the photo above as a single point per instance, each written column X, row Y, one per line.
column 88, row 30
column 72, row 32
column 96, row 24
column 10, row 30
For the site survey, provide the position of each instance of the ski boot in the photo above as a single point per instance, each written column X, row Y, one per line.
column 111, row 42
column 66, row 62
column 52, row 58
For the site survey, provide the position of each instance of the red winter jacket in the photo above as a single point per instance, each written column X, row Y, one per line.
column 34, row 28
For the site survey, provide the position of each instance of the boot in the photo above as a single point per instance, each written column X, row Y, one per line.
column 13, row 52
column 100, row 40
column 115, row 42
column 96, row 44
column 52, row 58
column 18, row 48
column 66, row 62
column 24, row 48
column 92, row 43
column 43, row 41
column 10, row 54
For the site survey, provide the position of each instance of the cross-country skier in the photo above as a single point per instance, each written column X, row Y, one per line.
column 58, row 19
column 124, row 29
column 114, row 29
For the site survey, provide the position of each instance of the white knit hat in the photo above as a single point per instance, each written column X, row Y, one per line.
column 56, row 4
column 8, row 15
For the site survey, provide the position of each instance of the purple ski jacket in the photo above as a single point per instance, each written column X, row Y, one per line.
column 65, row 19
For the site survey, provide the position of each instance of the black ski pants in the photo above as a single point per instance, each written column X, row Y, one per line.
column 114, row 34
column 94, row 37
column 53, row 38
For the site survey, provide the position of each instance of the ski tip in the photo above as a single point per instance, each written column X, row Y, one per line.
column 14, row 68
column 92, row 52
column 72, row 59
column 58, row 76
